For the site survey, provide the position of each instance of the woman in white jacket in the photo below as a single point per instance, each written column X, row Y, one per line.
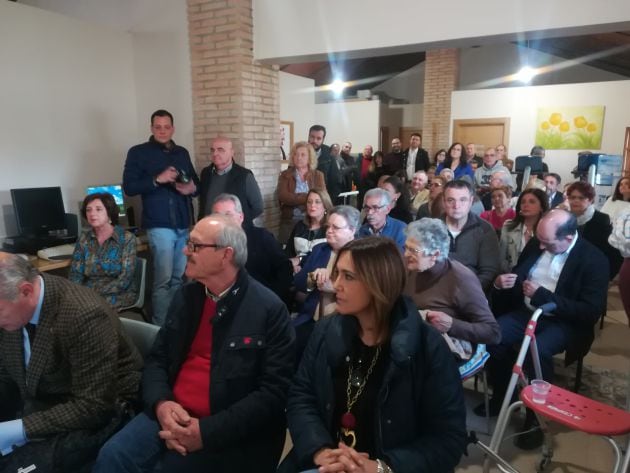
column 620, row 239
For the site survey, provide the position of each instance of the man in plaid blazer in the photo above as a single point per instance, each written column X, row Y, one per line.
column 65, row 369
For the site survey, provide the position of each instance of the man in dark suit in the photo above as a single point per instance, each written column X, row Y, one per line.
column 557, row 266
column 325, row 162
column 414, row 158
column 393, row 161
column 65, row 370
column 552, row 181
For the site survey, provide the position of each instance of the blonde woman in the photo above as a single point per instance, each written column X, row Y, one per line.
column 294, row 184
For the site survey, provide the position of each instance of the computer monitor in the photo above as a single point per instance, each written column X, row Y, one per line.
column 534, row 162
column 38, row 211
column 115, row 190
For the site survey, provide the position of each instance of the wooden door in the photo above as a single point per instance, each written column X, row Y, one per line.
column 626, row 153
column 405, row 135
column 384, row 143
column 483, row 132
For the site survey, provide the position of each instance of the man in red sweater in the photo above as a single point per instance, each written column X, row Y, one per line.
column 214, row 385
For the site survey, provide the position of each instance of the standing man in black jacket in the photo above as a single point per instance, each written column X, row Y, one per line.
column 224, row 175
column 325, row 162
column 215, row 383
column 162, row 173
column 414, row 158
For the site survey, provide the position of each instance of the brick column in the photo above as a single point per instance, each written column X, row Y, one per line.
column 233, row 95
column 440, row 79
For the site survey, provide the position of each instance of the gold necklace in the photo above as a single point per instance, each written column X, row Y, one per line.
column 348, row 420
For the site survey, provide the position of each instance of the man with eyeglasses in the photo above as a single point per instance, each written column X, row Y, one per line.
column 473, row 240
column 376, row 206
column 215, row 383
column 483, row 174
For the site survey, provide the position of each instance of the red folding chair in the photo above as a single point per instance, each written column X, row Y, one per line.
column 563, row 407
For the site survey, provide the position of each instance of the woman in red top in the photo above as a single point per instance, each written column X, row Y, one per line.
column 501, row 210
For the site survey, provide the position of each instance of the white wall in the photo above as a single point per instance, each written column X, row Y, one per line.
column 355, row 121
column 297, row 103
column 288, row 29
column 521, row 105
column 69, row 105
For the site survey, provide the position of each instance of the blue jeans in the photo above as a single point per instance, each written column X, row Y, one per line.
column 167, row 248
column 138, row 449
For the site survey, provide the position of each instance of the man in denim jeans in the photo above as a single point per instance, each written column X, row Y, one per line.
column 162, row 173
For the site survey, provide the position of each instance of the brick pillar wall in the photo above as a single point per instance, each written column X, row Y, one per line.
column 233, row 95
column 440, row 79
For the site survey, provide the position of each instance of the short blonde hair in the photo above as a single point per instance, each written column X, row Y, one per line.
column 312, row 157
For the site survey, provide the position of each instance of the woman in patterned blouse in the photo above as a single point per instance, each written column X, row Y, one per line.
column 104, row 257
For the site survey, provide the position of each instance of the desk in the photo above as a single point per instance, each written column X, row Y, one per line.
column 45, row 265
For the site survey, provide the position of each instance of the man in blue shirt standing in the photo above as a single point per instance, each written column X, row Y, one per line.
column 377, row 205
column 162, row 173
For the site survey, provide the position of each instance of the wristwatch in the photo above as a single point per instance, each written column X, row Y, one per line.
column 382, row 467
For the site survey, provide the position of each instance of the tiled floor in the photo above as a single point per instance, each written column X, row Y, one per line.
column 573, row 451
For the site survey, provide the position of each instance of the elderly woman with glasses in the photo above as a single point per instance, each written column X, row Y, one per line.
column 377, row 390
column 435, row 206
column 593, row 225
column 314, row 291
column 449, row 292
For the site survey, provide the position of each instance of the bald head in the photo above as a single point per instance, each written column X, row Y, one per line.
column 556, row 231
column 222, row 153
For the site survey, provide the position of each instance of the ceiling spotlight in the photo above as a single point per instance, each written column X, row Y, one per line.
column 526, row 74
column 337, row 86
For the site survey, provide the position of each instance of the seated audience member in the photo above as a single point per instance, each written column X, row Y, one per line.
column 552, row 181
column 456, row 161
column 446, row 289
column 419, row 191
column 472, row 157
column 227, row 415
column 431, row 172
column 104, row 257
column 312, row 230
column 501, row 210
column 439, row 157
column 502, row 155
column 266, row 262
column 397, row 190
column 559, row 267
column 483, row 174
column 500, row 178
column 447, row 174
column 473, row 240
column 67, row 370
column 376, row 206
column 312, row 283
column 435, row 206
column 593, row 225
column 619, row 201
column 620, row 239
column 376, row 343
column 294, row 184
column 515, row 234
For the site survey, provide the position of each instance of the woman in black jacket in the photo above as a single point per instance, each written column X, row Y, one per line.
column 377, row 389
column 593, row 225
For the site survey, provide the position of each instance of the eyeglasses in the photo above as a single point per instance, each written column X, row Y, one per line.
column 373, row 208
column 578, row 197
column 413, row 250
column 194, row 247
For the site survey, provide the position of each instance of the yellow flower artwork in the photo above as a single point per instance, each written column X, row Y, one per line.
column 570, row 127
